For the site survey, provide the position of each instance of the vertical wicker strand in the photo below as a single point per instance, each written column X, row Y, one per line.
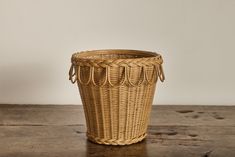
column 131, row 103
column 110, row 103
column 87, row 117
column 88, row 103
column 150, row 103
column 135, row 115
column 134, row 112
column 151, row 94
column 142, row 97
column 111, row 114
column 127, row 114
column 139, row 101
column 127, row 109
column 118, row 110
column 130, row 117
column 151, row 90
column 146, row 106
column 102, row 111
column 140, row 110
column 89, row 106
column 81, row 90
column 96, row 110
column 137, row 123
column 145, row 99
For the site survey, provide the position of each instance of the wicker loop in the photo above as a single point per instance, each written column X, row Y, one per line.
column 93, row 77
column 122, row 80
column 75, row 75
column 142, row 77
column 79, row 75
column 72, row 73
column 154, row 76
column 160, row 73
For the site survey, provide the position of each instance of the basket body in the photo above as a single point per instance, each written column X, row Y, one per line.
column 117, row 89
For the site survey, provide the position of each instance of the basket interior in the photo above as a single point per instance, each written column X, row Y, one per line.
column 116, row 54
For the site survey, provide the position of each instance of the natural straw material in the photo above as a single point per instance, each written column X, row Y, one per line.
column 117, row 89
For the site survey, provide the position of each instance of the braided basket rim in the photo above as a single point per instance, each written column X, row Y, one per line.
column 140, row 59
column 143, row 56
column 115, row 141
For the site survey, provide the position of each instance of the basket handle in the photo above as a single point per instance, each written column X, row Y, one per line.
column 73, row 74
column 160, row 73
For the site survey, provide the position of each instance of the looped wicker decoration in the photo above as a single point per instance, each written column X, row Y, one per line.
column 117, row 89
column 77, row 63
column 75, row 75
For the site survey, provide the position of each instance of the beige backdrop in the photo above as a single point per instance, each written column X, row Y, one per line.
column 195, row 37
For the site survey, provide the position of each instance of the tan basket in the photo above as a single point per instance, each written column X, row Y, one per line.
column 117, row 89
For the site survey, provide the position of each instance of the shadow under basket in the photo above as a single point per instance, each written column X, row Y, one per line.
column 117, row 89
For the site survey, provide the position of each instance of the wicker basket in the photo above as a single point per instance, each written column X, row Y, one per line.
column 117, row 89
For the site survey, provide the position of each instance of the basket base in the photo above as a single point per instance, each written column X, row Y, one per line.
column 115, row 141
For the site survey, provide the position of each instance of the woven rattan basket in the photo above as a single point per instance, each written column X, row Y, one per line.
column 117, row 89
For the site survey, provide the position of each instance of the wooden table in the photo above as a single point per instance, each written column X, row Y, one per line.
column 59, row 131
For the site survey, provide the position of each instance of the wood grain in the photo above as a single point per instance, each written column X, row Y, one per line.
column 174, row 131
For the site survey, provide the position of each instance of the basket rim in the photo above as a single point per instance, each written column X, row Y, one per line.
column 145, row 59
column 142, row 54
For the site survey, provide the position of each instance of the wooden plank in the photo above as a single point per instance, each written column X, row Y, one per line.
column 73, row 115
column 193, row 115
column 54, row 131
column 71, row 141
column 41, row 115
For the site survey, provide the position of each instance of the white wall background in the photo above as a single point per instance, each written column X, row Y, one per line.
column 195, row 37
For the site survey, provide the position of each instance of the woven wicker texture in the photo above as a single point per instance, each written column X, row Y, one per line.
column 117, row 89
